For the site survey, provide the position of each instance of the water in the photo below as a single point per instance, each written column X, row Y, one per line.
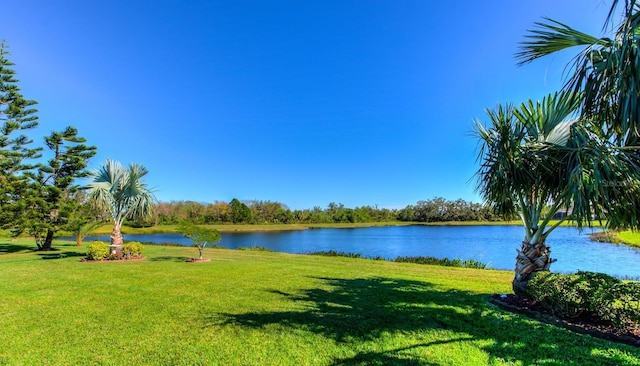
column 493, row 245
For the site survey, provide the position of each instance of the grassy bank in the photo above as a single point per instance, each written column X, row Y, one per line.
column 629, row 238
column 247, row 308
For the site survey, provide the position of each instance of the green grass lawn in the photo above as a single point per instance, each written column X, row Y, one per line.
column 630, row 238
column 265, row 308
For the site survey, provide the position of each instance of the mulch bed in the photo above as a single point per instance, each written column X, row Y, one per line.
column 585, row 324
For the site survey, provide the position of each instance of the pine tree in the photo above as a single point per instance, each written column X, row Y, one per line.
column 50, row 198
column 16, row 115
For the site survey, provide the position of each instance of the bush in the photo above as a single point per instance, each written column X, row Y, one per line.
column 620, row 305
column 333, row 253
column 256, row 249
column 468, row 263
column 98, row 251
column 572, row 295
column 131, row 249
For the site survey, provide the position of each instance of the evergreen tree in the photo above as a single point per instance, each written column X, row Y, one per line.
column 49, row 201
column 240, row 213
column 16, row 115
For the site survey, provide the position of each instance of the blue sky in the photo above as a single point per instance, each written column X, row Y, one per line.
column 301, row 102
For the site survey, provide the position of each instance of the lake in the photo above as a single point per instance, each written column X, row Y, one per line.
column 493, row 245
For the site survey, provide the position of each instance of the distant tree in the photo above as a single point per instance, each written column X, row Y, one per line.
column 49, row 195
column 301, row 216
column 284, row 215
column 123, row 194
column 201, row 236
column 164, row 212
column 84, row 219
column 17, row 114
column 240, row 212
column 319, row 216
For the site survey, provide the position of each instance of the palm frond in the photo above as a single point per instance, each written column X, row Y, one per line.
column 122, row 192
column 550, row 37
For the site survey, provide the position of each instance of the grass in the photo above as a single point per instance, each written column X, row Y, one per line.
column 266, row 308
column 630, row 238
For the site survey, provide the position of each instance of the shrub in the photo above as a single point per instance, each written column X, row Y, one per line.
column 333, row 253
column 98, row 251
column 131, row 249
column 468, row 263
column 615, row 301
column 256, row 249
column 620, row 305
column 555, row 293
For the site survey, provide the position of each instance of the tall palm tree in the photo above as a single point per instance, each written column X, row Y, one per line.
column 123, row 194
column 539, row 159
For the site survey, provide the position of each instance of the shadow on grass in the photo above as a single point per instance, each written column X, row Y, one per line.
column 169, row 259
column 60, row 255
column 352, row 311
column 391, row 356
column 8, row 248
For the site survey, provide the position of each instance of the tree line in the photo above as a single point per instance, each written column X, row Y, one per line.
column 268, row 212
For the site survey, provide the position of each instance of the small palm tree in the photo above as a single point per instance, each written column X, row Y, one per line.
column 540, row 158
column 123, row 194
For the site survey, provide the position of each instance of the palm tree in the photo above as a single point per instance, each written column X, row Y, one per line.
column 606, row 70
column 123, row 194
column 539, row 159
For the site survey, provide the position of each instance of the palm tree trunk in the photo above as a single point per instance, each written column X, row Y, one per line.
column 531, row 258
column 116, row 240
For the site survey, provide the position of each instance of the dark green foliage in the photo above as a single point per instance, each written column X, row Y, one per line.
column 131, row 249
column 255, row 249
column 620, row 304
column 333, row 253
column 573, row 295
column 17, row 114
column 441, row 210
column 240, row 213
column 51, row 188
column 84, row 219
column 35, row 197
column 467, row 263
column 268, row 212
column 97, row 251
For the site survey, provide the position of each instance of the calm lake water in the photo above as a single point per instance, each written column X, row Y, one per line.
column 493, row 245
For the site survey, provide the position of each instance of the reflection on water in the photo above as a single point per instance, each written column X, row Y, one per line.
column 494, row 245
